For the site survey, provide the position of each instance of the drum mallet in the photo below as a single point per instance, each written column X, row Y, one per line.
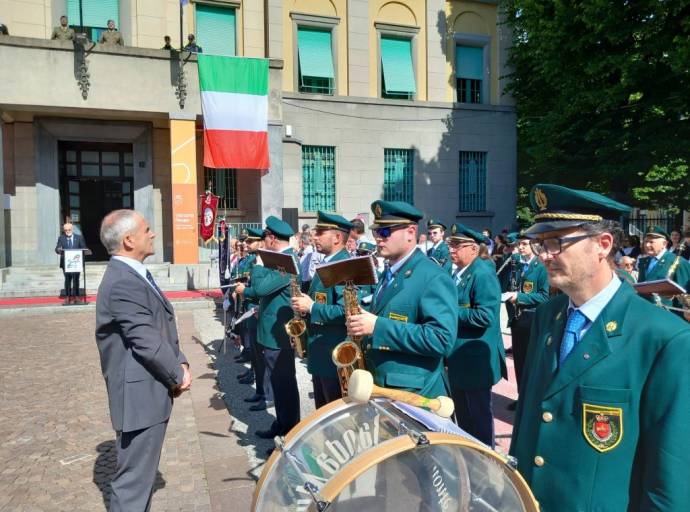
column 361, row 387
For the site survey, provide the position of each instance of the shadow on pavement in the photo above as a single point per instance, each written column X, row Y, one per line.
column 104, row 469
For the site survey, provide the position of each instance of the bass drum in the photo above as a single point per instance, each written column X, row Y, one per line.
column 386, row 456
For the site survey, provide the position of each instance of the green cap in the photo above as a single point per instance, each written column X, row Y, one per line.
column 244, row 234
column 366, row 248
column 433, row 224
column 461, row 233
column 254, row 234
column 561, row 207
column 512, row 238
column 279, row 228
column 657, row 232
column 394, row 213
column 332, row 221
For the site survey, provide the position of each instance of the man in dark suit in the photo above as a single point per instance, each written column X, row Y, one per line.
column 140, row 357
column 69, row 240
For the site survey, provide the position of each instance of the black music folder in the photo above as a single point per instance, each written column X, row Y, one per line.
column 281, row 261
column 664, row 287
column 358, row 271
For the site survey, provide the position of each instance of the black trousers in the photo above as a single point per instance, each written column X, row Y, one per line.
column 281, row 365
column 263, row 379
column 519, row 330
column 474, row 413
column 71, row 284
column 326, row 390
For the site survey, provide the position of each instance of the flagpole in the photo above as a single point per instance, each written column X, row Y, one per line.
column 181, row 32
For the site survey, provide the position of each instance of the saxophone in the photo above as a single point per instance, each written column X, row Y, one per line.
column 683, row 298
column 347, row 355
column 296, row 327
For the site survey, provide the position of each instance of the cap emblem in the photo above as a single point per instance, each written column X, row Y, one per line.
column 453, row 229
column 378, row 210
column 540, row 198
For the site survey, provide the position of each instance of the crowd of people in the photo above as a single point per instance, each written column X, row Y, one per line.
column 601, row 420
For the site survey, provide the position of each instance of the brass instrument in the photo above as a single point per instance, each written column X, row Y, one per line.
column 347, row 355
column 683, row 298
column 296, row 327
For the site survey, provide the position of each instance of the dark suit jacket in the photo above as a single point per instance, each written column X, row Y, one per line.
column 78, row 243
column 139, row 349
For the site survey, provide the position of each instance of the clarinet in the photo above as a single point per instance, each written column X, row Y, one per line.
column 513, row 285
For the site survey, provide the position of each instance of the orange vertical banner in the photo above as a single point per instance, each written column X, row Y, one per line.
column 184, row 193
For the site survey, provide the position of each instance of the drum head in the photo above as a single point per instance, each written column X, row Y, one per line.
column 322, row 445
column 451, row 473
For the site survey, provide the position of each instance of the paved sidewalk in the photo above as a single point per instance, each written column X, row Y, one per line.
column 57, row 445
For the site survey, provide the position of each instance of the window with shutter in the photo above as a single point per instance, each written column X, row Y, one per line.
column 315, row 56
column 469, row 70
column 94, row 16
column 472, row 181
column 397, row 70
column 215, row 29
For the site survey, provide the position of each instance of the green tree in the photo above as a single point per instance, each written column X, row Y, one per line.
column 603, row 94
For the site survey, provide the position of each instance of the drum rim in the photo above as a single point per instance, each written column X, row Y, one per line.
column 290, row 436
column 381, row 452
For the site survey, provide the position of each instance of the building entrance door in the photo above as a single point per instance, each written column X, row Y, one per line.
column 95, row 179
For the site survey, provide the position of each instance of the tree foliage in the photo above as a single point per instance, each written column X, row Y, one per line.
column 603, row 94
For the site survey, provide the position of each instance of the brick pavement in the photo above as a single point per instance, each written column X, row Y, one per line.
column 56, row 442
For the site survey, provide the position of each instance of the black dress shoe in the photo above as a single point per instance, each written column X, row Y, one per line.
column 255, row 398
column 242, row 360
column 247, row 380
column 512, row 405
column 246, row 374
column 269, row 452
column 509, row 351
column 261, row 406
column 266, row 434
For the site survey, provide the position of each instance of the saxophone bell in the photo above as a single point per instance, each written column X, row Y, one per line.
column 296, row 327
column 347, row 355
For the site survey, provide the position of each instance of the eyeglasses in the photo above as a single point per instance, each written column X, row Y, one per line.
column 459, row 245
column 385, row 232
column 554, row 246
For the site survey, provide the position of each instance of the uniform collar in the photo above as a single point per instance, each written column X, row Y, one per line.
column 593, row 307
column 401, row 261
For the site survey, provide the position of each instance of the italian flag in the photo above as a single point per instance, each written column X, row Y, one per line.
column 234, row 101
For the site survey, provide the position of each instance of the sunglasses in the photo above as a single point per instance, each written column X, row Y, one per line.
column 386, row 232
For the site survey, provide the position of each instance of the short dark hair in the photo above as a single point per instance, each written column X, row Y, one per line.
column 358, row 226
column 606, row 226
column 63, row 16
column 166, row 38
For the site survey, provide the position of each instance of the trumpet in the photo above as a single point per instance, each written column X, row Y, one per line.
column 347, row 355
column 296, row 327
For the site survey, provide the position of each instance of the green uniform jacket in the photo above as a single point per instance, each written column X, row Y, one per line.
column 533, row 287
column 477, row 359
column 244, row 269
column 681, row 275
column 506, row 275
column 634, row 360
column 416, row 328
column 272, row 289
column 442, row 255
column 326, row 324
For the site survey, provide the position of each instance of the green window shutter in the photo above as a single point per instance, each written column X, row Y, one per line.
column 318, row 178
column 472, row 181
column 96, row 13
column 396, row 64
column 215, row 29
column 398, row 175
column 315, row 53
column 469, row 62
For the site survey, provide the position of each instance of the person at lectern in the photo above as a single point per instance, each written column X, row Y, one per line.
column 69, row 240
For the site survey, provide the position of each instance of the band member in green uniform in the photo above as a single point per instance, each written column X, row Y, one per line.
column 602, row 421
column 532, row 290
column 661, row 263
column 325, row 309
column 272, row 290
column 439, row 250
column 263, row 397
column 477, row 359
column 412, row 321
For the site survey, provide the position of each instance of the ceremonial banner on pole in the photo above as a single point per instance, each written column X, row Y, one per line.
column 208, row 208
column 234, row 101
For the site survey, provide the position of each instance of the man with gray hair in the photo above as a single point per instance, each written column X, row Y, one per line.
column 140, row 357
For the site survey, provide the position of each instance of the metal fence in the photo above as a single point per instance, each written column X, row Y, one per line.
column 209, row 252
column 640, row 220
